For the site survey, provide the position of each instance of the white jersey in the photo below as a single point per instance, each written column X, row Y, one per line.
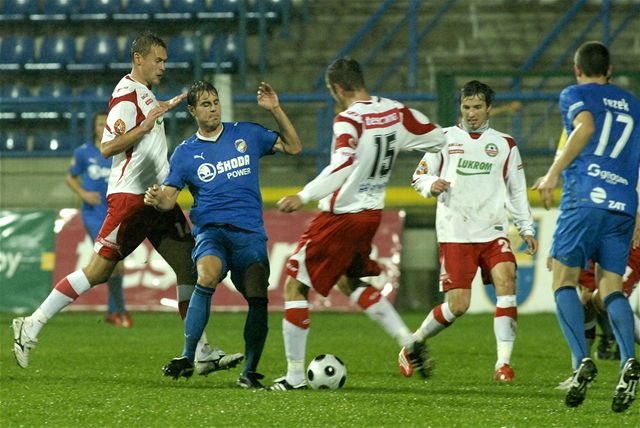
column 366, row 140
column 144, row 164
column 487, row 180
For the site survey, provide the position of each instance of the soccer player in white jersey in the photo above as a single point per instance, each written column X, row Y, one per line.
column 367, row 137
column 135, row 139
column 476, row 175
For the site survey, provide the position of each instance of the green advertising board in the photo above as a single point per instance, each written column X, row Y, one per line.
column 26, row 258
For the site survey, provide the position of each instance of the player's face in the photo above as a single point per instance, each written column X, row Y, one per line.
column 475, row 111
column 152, row 65
column 207, row 111
column 98, row 127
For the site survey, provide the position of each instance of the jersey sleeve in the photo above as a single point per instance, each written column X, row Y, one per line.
column 176, row 177
column 518, row 202
column 346, row 133
column 78, row 163
column 423, row 135
column 123, row 116
column 571, row 103
column 427, row 173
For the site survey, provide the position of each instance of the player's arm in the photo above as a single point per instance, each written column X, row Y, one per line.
column 92, row 198
column 162, row 198
column 518, row 203
column 288, row 142
column 584, row 128
column 423, row 135
column 124, row 142
column 426, row 180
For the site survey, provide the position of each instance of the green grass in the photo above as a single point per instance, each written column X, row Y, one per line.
column 86, row 373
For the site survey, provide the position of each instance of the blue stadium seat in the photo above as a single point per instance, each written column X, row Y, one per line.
column 272, row 9
column 56, row 52
column 181, row 9
column 54, row 143
column 13, row 142
column 221, row 9
column 222, row 55
column 55, row 91
column 122, row 61
column 181, row 52
column 97, row 52
column 56, row 10
column 97, row 10
column 15, row 52
column 100, row 91
column 139, row 10
column 18, row 10
column 15, row 91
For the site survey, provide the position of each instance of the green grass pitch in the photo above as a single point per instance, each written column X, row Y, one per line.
column 86, row 373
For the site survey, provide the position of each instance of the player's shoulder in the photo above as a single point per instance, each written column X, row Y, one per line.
column 499, row 134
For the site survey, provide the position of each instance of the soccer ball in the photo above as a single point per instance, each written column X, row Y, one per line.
column 326, row 371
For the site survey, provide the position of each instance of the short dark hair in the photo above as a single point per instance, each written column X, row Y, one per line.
column 144, row 42
column 197, row 88
column 593, row 59
column 475, row 87
column 347, row 73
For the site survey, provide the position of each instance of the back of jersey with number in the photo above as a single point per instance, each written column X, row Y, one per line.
column 605, row 173
column 373, row 132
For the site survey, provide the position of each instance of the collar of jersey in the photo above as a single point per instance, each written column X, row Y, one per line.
column 212, row 139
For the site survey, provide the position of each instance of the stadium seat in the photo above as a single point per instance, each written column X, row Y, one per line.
column 56, row 52
column 181, row 52
column 97, row 52
column 55, row 91
column 18, row 10
column 122, row 61
column 139, row 10
column 16, row 91
column 222, row 54
column 54, row 142
column 221, row 9
column 12, row 142
column 56, row 10
column 15, row 52
column 181, row 9
column 99, row 91
column 97, row 10
column 272, row 9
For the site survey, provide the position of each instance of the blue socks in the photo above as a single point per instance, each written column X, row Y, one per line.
column 116, row 295
column 256, row 328
column 622, row 324
column 571, row 318
column 197, row 318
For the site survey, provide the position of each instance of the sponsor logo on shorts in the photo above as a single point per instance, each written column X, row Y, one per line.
column 241, row 146
column 491, row 150
column 598, row 195
column 615, row 205
column 120, row 127
column 206, row 172
column 292, row 266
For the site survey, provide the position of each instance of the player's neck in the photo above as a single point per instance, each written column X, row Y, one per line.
column 601, row 80
column 211, row 134
column 136, row 76
column 355, row 96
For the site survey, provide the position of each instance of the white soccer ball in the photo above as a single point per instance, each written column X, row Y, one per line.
column 326, row 371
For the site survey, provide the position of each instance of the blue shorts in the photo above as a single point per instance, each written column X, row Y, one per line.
column 238, row 249
column 592, row 233
column 93, row 224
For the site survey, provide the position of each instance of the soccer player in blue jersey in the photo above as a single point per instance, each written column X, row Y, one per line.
column 219, row 164
column 599, row 203
column 88, row 177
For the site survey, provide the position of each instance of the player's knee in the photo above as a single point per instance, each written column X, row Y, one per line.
column 295, row 290
column 256, row 280
column 459, row 307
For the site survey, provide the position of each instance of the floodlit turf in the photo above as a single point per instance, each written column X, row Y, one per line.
column 87, row 373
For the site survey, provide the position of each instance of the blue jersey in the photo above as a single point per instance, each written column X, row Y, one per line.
column 222, row 175
column 94, row 171
column 604, row 175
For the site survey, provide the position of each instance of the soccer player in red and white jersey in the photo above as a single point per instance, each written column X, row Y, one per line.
column 367, row 137
column 475, row 177
column 134, row 138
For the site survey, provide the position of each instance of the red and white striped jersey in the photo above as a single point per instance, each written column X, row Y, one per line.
column 487, row 181
column 144, row 164
column 367, row 138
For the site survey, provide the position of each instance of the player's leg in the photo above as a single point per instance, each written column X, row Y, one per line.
column 377, row 307
column 67, row 290
column 505, row 320
column 116, row 297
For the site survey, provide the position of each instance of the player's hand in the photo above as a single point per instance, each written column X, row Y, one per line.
column 290, row 203
column 635, row 241
column 152, row 196
column 92, row 198
column 267, row 97
column 532, row 244
column 150, row 121
column 173, row 102
column 439, row 186
column 546, row 185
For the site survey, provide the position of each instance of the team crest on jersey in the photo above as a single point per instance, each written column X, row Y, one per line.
column 422, row 168
column 120, row 127
column 491, row 150
column 206, row 172
column 241, row 145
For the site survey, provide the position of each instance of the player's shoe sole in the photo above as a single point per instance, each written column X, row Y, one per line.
column 415, row 358
column 217, row 360
column 627, row 386
column 22, row 343
column 179, row 366
column 582, row 378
